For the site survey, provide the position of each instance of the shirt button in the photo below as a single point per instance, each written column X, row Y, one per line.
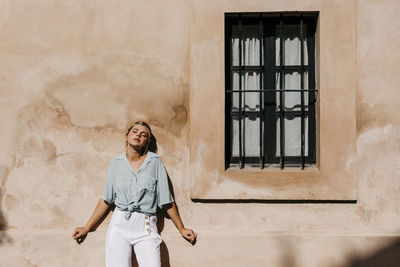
column 146, row 217
column 147, row 229
column 147, row 223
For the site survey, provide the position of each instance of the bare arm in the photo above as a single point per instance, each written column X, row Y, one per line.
column 79, row 233
column 173, row 213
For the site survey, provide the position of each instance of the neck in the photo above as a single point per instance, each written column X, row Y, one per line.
column 133, row 153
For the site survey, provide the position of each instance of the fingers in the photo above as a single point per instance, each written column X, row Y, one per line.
column 75, row 233
column 190, row 235
column 78, row 233
column 81, row 239
column 194, row 237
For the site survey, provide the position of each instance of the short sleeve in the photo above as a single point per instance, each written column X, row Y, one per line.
column 164, row 195
column 109, row 193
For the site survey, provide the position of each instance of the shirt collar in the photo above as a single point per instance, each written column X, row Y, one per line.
column 149, row 156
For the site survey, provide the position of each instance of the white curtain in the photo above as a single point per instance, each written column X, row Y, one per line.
column 292, row 57
column 251, row 81
column 291, row 46
column 250, row 125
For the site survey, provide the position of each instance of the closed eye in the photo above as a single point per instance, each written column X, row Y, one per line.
column 142, row 134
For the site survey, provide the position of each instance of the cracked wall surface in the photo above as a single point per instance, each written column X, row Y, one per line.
column 74, row 75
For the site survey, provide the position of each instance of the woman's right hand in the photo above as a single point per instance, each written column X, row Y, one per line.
column 79, row 234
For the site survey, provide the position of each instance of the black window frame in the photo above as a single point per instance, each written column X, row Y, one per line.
column 267, row 23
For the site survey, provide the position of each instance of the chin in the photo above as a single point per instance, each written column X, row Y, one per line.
column 136, row 146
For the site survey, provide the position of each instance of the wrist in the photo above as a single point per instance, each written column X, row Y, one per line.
column 87, row 229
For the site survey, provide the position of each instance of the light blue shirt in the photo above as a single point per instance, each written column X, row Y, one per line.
column 142, row 191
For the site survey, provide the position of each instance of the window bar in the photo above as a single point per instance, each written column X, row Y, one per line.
column 312, row 96
column 261, row 108
column 302, row 92
column 229, row 96
column 281, row 96
column 241, row 162
column 272, row 90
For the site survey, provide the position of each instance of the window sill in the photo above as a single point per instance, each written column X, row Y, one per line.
column 273, row 168
column 273, row 183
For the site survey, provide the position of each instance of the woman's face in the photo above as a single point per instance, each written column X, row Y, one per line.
column 138, row 136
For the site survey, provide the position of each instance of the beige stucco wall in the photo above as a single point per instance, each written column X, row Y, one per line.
column 74, row 74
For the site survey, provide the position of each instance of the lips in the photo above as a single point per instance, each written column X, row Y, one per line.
column 136, row 139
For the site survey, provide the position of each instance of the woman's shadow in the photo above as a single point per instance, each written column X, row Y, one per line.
column 161, row 215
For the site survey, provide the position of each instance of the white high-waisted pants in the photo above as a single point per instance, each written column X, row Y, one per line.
column 139, row 232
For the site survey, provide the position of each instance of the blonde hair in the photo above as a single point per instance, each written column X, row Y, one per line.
column 146, row 147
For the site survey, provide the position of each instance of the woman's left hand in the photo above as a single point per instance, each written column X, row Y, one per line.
column 189, row 235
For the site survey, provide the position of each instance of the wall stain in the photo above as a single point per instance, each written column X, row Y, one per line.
column 376, row 116
column 48, row 114
column 36, row 208
column 49, row 150
column 11, row 202
column 132, row 93
column 118, row 90
column 28, row 262
column 32, row 147
column 180, row 119
column 364, row 214
column 60, row 218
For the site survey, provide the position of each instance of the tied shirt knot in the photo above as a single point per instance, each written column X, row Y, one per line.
column 129, row 209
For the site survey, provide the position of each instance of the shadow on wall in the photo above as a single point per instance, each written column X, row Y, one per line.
column 4, row 238
column 386, row 257
column 288, row 256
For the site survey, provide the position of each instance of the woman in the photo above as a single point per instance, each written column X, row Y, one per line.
column 137, row 184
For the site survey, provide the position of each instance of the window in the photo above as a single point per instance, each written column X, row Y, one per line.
column 270, row 89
